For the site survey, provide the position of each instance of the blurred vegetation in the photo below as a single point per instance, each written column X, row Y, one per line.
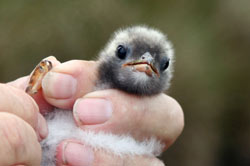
column 212, row 42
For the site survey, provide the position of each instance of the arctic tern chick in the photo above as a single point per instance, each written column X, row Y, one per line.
column 137, row 60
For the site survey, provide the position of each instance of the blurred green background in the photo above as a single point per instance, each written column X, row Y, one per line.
column 212, row 43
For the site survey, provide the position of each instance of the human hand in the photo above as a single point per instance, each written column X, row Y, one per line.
column 108, row 110
column 21, row 126
column 73, row 152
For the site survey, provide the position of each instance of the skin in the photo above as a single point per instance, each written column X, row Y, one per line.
column 19, row 128
column 160, row 116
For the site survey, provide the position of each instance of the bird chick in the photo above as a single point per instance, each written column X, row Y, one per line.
column 137, row 60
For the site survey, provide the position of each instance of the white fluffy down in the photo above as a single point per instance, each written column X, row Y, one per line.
column 62, row 126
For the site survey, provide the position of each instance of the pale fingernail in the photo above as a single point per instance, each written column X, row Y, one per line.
column 59, row 86
column 42, row 127
column 90, row 111
column 76, row 154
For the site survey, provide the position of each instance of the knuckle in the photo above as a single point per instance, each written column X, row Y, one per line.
column 10, row 128
column 18, row 139
column 176, row 114
column 17, row 102
column 179, row 117
column 173, row 113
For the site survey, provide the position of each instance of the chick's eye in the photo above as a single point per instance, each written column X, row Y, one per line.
column 164, row 64
column 121, row 52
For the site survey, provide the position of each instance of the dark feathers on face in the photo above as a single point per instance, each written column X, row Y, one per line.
column 137, row 60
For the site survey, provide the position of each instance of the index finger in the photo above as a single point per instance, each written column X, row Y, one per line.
column 69, row 81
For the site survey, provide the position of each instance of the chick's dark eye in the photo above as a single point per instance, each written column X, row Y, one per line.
column 121, row 52
column 164, row 64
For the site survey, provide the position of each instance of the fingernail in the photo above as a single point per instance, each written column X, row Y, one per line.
column 59, row 86
column 76, row 154
column 90, row 111
column 42, row 127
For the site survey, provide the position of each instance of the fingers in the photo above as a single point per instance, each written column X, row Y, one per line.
column 17, row 102
column 22, row 83
column 73, row 153
column 18, row 142
column 118, row 112
column 111, row 110
column 69, row 81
